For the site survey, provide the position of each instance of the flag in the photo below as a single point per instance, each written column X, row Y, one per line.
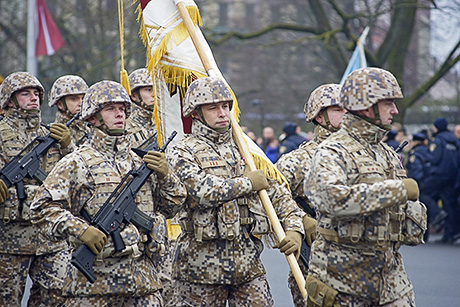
column 174, row 63
column 358, row 58
column 49, row 39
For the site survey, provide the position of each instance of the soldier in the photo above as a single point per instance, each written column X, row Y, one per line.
column 140, row 123
column 217, row 255
column 21, row 95
column 366, row 206
column 322, row 108
column 67, row 94
column 81, row 183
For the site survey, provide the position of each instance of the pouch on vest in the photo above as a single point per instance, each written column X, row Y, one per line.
column 415, row 223
column 205, row 224
column 228, row 220
column 261, row 223
column 319, row 294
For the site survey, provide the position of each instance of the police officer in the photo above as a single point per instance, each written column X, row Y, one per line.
column 323, row 109
column 81, row 183
column 292, row 139
column 21, row 95
column 217, row 256
column 67, row 94
column 140, row 123
column 444, row 159
column 416, row 161
column 365, row 204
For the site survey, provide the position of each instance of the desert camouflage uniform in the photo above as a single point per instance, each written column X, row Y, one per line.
column 294, row 166
column 363, row 217
column 141, row 125
column 217, row 252
column 18, row 237
column 83, row 180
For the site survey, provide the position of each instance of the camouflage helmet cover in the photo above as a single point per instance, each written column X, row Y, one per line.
column 323, row 96
column 101, row 94
column 66, row 85
column 18, row 81
column 205, row 91
column 366, row 86
column 139, row 78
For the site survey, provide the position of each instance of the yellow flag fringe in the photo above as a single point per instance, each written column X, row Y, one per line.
column 123, row 73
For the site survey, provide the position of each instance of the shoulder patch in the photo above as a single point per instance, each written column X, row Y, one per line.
column 432, row 147
column 412, row 159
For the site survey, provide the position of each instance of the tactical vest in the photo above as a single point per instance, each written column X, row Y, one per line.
column 401, row 223
column 13, row 143
column 227, row 221
column 106, row 178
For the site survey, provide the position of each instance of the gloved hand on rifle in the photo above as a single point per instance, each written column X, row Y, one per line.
column 60, row 133
column 4, row 193
column 156, row 161
column 94, row 239
column 290, row 244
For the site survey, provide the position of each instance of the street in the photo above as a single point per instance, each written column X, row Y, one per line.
column 434, row 270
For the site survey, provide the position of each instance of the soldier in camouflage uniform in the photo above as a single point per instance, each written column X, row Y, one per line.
column 66, row 94
column 217, row 255
column 81, row 183
column 322, row 108
column 366, row 206
column 21, row 95
column 140, row 123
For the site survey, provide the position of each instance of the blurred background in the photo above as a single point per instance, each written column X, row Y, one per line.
column 273, row 53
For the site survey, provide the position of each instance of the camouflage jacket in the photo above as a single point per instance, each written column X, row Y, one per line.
column 79, row 129
column 17, row 130
column 221, row 214
column 356, row 188
column 295, row 164
column 141, row 125
column 84, row 179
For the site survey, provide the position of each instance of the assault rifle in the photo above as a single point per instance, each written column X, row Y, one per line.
column 28, row 166
column 119, row 208
column 305, row 249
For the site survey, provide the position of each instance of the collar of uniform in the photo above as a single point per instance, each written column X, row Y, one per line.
column 320, row 134
column 141, row 116
column 23, row 120
column 109, row 144
column 361, row 129
column 201, row 130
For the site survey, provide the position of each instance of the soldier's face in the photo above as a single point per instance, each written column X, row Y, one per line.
column 28, row 99
column 114, row 115
column 335, row 114
column 217, row 115
column 146, row 93
column 387, row 110
column 73, row 103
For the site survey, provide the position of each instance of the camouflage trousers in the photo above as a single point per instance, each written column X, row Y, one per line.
column 255, row 293
column 164, row 266
column 13, row 277
column 297, row 297
column 343, row 299
column 152, row 300
column 47, row 273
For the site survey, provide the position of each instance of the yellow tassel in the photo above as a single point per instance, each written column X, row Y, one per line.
column 124, row 81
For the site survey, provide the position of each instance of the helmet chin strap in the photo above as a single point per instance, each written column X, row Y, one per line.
column 203, row 120
column 376, row 120
column 16, row 105
column 66, row 110
column 141, row 102
column 103, row 127
column 328, row 125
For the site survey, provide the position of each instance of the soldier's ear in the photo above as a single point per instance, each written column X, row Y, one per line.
column 92, row 120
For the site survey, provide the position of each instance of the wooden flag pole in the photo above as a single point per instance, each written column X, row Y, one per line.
column 241, row 143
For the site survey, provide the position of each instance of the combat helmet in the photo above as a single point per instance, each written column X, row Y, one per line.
column 365, row 87
column 326, row 95
column 205, row 90
column 18, row 81
column 101, row 94
column 66, row 85
column 139, row 78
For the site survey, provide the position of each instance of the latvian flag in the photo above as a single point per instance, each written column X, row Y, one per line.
column 49, row 40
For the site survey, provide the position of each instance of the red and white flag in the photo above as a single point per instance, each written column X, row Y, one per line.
column 49, row 39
